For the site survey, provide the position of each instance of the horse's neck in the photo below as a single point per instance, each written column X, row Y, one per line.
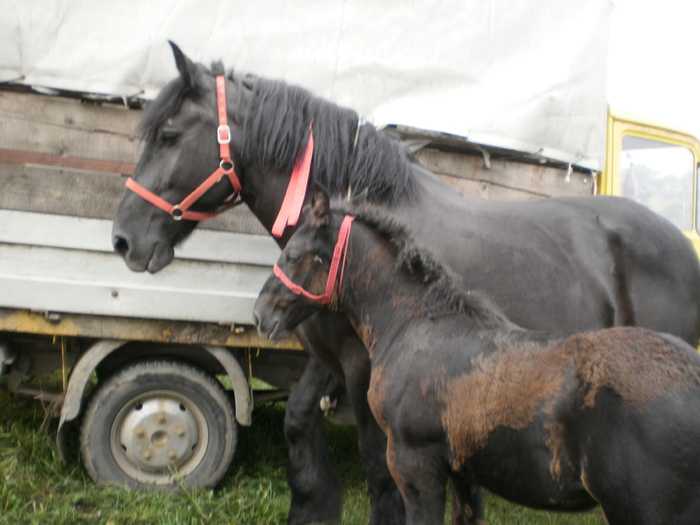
column 264, row 195
column 265, row 189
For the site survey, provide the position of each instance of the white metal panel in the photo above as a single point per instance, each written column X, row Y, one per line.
column 79, row 281
column 80, row 233
column 66, row 264
column 526, row 73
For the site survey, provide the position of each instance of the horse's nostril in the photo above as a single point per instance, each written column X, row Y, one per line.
column 121, row 246
column 256, row 320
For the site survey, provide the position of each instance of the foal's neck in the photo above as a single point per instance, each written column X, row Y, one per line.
column 378, row 298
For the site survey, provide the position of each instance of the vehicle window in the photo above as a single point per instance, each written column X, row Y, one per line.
column 659, row 175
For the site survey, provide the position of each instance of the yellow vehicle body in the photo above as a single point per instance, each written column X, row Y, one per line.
column 656, row 165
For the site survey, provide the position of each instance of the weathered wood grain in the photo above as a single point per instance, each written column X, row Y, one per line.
column 505, row 179
column 89, row 194
column 67, row 127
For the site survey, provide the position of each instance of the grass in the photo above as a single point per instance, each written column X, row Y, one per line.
column 36, row 488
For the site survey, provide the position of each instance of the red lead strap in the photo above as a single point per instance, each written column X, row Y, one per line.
column 294, row 198
column 339, row 253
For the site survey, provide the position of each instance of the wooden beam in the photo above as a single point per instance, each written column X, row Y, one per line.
column 48, row 159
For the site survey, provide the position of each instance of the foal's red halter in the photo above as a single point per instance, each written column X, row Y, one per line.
column 293, row 200
column 340, row 251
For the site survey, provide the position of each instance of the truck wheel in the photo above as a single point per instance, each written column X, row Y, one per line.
column 155, row 424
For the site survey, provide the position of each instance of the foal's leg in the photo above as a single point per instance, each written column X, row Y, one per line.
column 467, row 502
column 313, row 482
column 421, row 481
column 386, row 501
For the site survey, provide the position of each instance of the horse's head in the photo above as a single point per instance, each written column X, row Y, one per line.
column 304, row 279
column 182, row 151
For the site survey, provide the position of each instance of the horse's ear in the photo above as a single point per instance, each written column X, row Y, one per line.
column 188, row 69
column 320, row 208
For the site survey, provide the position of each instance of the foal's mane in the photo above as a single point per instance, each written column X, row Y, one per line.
column 444, row 293
column 347, row 154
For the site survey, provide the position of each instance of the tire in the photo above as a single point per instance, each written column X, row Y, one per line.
column 158, row 424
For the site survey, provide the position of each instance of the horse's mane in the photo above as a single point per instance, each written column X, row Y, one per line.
column 165, row 106
column 347, row 154
column 444, row 293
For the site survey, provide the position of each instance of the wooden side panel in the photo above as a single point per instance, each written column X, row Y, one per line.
column 90, row 194
column 68, row 128
column 47, row 142
column 505, row 179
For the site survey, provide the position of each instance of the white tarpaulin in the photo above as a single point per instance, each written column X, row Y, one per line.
column 526, row 75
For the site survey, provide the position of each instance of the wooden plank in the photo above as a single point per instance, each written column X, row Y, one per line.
column 107, row 327
column 46, row 159
column 68, row 128
column 60, row 191
column 90, row 194
column 507, row 179
column 487, row 190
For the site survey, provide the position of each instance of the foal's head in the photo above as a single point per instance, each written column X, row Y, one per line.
column 306, row 262
column 309, row 274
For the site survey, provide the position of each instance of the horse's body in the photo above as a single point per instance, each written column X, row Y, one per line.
column 547, row 420
column 569, row 264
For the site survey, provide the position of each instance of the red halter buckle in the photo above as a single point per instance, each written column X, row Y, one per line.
column 339, row 253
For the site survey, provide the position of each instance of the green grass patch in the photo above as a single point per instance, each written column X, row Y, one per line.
column 36, row 488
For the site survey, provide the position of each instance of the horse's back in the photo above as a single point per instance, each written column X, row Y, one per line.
column 587, row 262
column 655, row 267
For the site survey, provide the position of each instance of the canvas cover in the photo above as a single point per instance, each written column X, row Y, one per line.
column 523, row 75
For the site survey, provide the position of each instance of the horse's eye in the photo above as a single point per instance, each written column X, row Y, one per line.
column 293, row 259
column 168, row 136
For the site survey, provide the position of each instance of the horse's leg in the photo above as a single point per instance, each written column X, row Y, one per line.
column 332, row 340
column 386, row 501
column 313, row 482
column 467, row 502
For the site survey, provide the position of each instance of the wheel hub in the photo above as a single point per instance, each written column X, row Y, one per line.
column 159, row 436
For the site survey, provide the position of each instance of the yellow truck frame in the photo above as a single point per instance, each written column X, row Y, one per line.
column 670, row 189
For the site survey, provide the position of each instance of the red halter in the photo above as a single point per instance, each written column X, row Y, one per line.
column 181, row 211
column 340, row 251
column 293, row 200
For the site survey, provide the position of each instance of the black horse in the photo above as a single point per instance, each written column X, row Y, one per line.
column 546, row 420
column 569, row 263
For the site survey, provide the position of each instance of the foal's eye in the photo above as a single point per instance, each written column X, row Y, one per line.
column 293, row 259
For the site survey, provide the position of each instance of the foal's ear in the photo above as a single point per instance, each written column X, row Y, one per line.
column 188, row 69
column 320, row 208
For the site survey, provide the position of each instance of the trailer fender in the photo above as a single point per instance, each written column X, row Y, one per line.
column 93, row 356
column 241, row 388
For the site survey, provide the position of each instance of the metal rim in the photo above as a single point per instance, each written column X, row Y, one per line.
column 159, row 436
